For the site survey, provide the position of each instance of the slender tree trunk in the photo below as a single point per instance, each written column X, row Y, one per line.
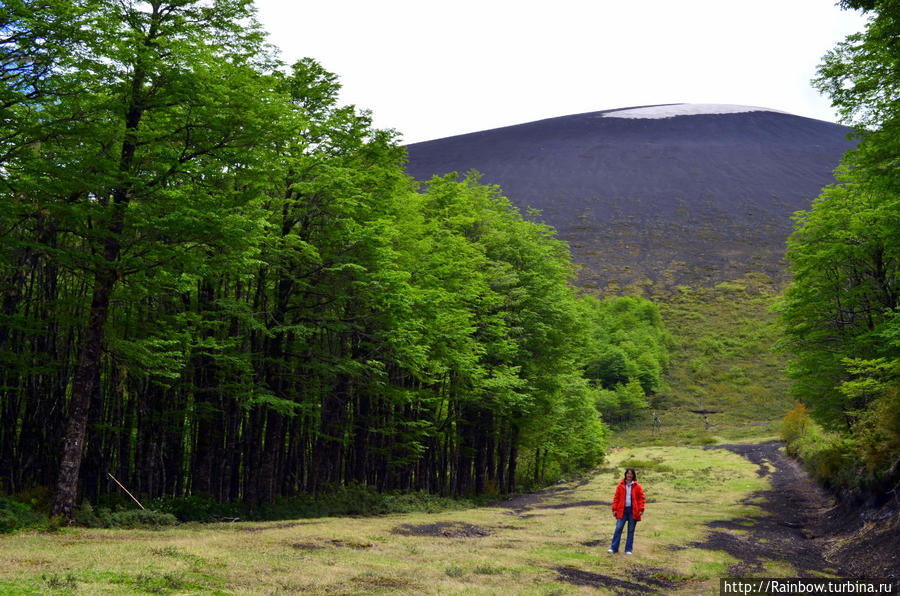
column 513, row 457
column 329, row 450
column 82, row 391
column 481, row 434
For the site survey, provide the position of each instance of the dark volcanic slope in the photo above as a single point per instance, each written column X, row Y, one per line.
column 692, row 199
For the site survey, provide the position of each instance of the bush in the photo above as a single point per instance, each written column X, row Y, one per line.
column 348, row 500
column 829, row 457
column 793, row 426
column 103, row 517
column 16, row 516
column 863, row 458
column 142, row 518
column 201, row 507
column 878, row 432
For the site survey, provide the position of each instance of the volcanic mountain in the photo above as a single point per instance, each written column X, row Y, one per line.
column 677, row 194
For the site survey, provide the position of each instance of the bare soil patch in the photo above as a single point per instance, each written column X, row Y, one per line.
column 330, row 543
column 521, row 504
column 307, row 546
column 641, row 581
column 443, row 530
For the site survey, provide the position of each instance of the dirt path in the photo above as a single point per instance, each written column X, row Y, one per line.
column 806, row 527
column 793, row 529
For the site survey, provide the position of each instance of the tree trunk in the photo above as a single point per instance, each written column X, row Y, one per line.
column 513, row 456
column 329, row 450
column 82, row 391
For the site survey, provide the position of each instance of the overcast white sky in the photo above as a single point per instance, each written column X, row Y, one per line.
column 433, row 69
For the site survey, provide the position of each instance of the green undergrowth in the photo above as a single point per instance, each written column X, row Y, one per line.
column 347, row 500
column 16, row 515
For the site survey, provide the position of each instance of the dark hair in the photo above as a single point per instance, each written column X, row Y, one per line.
column 633, row 474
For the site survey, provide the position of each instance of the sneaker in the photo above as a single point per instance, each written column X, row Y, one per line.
column 611, row 551
column 627, row 552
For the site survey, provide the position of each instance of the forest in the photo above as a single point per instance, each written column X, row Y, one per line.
column 216, row 280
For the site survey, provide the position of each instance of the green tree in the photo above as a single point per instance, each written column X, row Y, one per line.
column 160, row 99
column 845, row 251
column 625, row 355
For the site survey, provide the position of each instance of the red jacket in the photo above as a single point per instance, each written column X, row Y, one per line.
column 637, row 500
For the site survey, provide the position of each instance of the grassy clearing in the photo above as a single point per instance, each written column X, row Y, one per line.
column 485, row 550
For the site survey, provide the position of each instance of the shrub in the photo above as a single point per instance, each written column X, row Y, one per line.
column 142, row 518
column 793, row 426
column 103, row 517
column 829, row 457
column 878, row 432
column 727, row 287
column 201, row 507
column 16, row 516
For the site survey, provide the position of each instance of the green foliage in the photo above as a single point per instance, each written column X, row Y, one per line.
column 834, row 458
column 878, row 433
column 829, row 457
column 626, row 353
column 16, row 516
column 347, row 500
column 644, row 465
column 730, row 287
column 201, row 507
column 843, row 255
column 103, row 517
column 840, row 309
column 218, row 283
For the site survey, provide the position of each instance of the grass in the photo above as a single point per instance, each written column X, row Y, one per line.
column 686, row 488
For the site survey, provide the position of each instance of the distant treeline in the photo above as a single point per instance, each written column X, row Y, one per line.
column 215, row 279
column 842, row 309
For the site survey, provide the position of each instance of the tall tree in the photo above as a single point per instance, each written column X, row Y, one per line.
column 843, row 300
column 844, row 253
column 168, row 96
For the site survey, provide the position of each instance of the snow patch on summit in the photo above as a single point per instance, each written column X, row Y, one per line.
column 684, row 109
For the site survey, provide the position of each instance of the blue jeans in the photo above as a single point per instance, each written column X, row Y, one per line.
column 617, row 535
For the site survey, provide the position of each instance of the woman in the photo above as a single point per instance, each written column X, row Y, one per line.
column 627, row 506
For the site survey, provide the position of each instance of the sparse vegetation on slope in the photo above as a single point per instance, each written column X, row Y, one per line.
column 724, row 382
